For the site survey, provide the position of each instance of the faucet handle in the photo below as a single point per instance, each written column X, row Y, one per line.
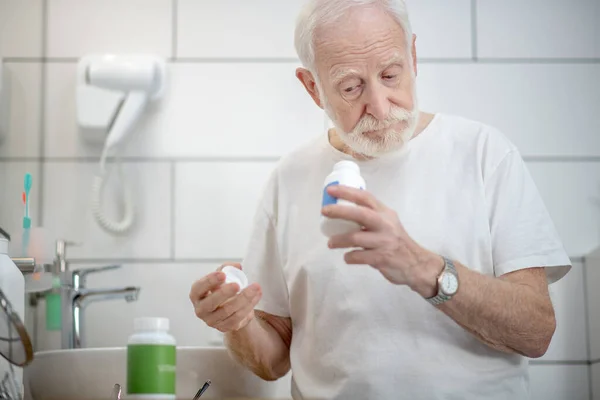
column 61, row 247
column 81, row 274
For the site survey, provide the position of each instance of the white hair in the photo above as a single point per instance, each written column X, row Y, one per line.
column 322, row 12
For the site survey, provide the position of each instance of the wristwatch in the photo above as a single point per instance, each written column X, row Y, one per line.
column 447, row 283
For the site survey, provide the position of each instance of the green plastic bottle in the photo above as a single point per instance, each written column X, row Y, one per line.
column 151, row 360
column 53, row 306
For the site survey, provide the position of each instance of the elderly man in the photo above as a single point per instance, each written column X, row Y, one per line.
column 443, row 294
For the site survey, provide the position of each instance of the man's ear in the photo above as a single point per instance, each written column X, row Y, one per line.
column 413, row 51
column 310, row 84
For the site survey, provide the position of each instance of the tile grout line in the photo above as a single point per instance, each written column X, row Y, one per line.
column 590, row 382
column 42, row 127
column 559, row 362
column 161, row 159
column 172, row 209
column 561, row 158
column 586, row 311
column 198, row 259
column 289, row 60
column 174, row 22
column 42, row 146
column 587, row 332
column 135, row 261
column 83, row 160
column 474, row 54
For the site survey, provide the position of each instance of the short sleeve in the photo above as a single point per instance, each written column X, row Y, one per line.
column 262, row 264
column 522, row 232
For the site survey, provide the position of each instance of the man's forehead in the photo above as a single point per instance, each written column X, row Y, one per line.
column 341, row 71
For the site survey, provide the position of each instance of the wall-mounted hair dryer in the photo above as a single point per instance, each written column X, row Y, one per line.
column 4, row 102
column 112, row 93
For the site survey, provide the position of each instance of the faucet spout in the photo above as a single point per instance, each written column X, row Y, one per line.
column 87, row 296
column 83, row 297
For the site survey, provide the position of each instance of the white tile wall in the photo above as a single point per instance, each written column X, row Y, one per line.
column 571, row 191
column 76, row 28
column 282, row 116
column 215, row 206
column 198, row 159
column 22, row 138
column 234, row 29
column 544, row 109
column 67, row 215
column 570, row 338
column 538, row 29
column 21, row 28
column 205, row 113
column 265, row 28
column 451, row 37
column 559, row 382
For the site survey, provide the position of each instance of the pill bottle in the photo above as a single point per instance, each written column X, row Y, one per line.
column 346, row 173
column 235, row 275
column 151, row 360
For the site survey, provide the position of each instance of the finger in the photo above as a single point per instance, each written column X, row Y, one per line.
column 202, row 287
column 211, row 302
column 233, row 264
column 354, row 195
column 363, row 239
column 366, row 257
column 234, row 321
column 232, row 306
column 363, row 216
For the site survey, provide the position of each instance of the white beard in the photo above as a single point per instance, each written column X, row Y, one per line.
column 390, row 140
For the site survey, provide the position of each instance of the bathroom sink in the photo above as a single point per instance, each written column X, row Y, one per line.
column 90, row 374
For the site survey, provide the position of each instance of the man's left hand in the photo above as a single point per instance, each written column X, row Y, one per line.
column 384, row 243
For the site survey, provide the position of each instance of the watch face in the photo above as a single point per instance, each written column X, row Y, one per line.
column 449, row 284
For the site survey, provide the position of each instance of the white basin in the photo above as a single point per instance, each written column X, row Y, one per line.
column 90, row 374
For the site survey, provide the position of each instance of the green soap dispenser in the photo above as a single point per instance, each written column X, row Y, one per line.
column 53, row 308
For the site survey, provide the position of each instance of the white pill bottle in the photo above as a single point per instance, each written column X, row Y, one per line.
column 345, row 173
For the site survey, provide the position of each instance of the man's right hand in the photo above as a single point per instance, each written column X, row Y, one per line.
column 219, row 305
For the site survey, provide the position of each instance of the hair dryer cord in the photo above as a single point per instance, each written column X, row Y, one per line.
column 113, row 227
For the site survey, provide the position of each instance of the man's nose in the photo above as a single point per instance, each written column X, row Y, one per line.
column 378, row 104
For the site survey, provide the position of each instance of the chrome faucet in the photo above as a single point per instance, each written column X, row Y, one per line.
column 75, row 296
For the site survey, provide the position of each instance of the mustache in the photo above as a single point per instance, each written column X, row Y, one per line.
column 369, row 123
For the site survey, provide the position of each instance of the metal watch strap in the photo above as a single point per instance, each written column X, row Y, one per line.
column 441, row 297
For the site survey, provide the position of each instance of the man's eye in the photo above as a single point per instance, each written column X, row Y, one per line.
column 351, row 89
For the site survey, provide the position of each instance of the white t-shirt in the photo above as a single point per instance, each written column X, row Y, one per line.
column 461, row 190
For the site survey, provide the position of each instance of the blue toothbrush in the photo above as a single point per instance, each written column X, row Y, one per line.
column 26, row 219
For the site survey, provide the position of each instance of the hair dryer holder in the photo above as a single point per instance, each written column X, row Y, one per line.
column 112, row 93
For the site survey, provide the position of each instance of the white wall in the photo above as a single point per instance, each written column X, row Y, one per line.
column 233, row 106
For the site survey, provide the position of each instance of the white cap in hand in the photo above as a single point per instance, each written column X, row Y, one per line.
column 235, row 275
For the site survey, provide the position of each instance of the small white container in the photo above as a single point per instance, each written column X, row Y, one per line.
column 12, row 284
column 151, row 361
column 235, row 275
column 346, row 173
